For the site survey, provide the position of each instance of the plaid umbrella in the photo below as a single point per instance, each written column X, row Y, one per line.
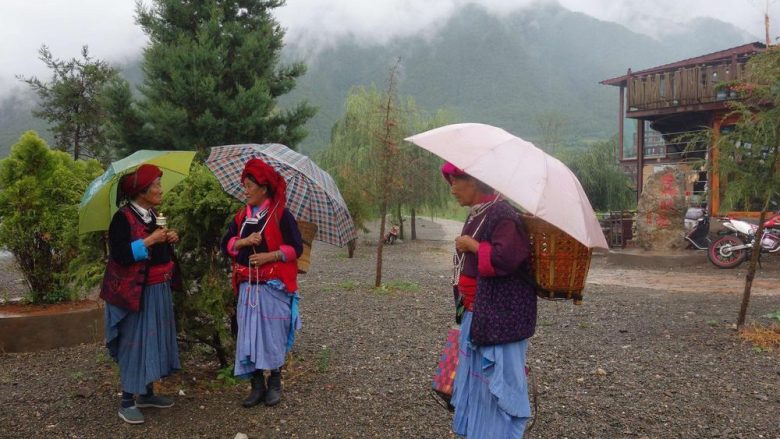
column 312, row 195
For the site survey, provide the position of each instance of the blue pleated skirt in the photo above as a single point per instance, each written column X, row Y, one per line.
column 143, row 343
column 490, row 392
column 267, row 320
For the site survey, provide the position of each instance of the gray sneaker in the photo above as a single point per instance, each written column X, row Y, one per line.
column 131, row 415
column 159, row 402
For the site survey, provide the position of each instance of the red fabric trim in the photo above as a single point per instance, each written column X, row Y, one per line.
column 467, row 287
column 484, row 264
column 289, row 253
column 232, row 242
column 160, row 273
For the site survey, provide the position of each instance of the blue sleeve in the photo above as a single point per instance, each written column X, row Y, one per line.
column 140, row 252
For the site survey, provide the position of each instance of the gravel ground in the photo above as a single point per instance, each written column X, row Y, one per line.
column 634, row 361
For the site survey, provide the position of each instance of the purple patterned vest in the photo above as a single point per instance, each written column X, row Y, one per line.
column 505, row 306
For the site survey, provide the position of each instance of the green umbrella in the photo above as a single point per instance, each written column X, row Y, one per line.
column 98, row 204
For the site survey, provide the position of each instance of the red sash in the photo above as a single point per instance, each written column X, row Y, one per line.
column 160, row 273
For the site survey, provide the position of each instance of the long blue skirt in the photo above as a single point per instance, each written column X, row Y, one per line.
column 490, row 392
column 267, row 320
column 143, row 343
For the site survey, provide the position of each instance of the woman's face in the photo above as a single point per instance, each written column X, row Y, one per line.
column 254, row 193
column 465, row 191
column 153, row 195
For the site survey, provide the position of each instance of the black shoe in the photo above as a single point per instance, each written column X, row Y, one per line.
column 258, row 392
column 274, row 393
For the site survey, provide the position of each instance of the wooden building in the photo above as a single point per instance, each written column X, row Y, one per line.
column 670, row 103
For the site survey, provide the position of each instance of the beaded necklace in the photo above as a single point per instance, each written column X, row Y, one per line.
column 458, row 258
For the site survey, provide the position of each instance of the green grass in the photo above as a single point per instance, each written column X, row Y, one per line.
column 349, row 285
column 226, row 378
column 773, row 316
column 398, row 285
column 323, row 359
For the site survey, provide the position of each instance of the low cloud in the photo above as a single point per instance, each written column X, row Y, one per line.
column 110, row 31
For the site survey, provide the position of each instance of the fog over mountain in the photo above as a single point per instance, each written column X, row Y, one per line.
column 494, row 61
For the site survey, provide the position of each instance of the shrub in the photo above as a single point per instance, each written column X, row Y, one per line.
column 200, row 210
column 40, row 190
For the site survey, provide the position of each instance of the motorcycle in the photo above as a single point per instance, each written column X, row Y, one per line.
column 391, row 236
column 733, row 248
column 697, row 228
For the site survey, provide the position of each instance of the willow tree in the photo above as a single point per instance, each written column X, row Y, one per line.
column 422, row 185
column 363, row 154
column 749, row 150
column 374, row 168
column 596, row 167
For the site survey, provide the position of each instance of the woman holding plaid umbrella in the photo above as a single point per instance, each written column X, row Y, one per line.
column 264, row 243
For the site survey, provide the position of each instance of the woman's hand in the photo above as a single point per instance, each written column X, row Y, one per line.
column 156, row 237
column 253, row 239
column 466, row 243
column 171, row 236
column 258, row 259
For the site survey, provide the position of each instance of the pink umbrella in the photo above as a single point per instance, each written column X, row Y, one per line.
column 521, row 172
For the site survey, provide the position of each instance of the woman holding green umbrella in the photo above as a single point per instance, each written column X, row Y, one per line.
column 139, row 322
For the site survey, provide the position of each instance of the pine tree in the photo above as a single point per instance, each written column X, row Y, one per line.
column 71, row 102
column 212, row 77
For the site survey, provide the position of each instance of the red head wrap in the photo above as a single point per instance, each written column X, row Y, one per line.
column 448, row 170
column 136, row 182
column 263, row 173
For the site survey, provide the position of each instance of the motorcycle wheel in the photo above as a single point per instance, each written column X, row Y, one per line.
column 732, row 258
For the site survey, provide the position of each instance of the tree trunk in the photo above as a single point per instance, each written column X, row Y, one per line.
column 414, row 225
column 400, row 220
column 387, row 157
column 220, row 350
column 380, row 244
column 76, row 145
column 751, row 273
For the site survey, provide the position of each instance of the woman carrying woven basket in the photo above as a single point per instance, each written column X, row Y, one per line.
column 264, row 243
column 490, row 392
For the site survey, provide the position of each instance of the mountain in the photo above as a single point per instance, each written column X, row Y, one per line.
column 502, row 70
column 506, row 70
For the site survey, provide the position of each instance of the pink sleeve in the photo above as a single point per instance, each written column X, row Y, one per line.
column 484, row 265
column 288, row 252
column 232, row 251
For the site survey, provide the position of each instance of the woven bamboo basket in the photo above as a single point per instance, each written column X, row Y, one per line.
column 308, row 230
column 559, row 263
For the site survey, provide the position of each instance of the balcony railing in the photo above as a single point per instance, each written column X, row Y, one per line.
column 684, row 86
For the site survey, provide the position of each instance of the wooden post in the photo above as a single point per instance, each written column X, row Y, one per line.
column 640, row 155
column 621, row 118
column 714, row 179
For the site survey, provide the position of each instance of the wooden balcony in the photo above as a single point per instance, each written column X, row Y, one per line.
column 684, row 87
column 689, row 85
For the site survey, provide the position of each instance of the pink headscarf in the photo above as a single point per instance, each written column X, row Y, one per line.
column 448, row 170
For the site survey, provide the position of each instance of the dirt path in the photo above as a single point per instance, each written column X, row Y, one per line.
column 639, row 359
column 700, row 279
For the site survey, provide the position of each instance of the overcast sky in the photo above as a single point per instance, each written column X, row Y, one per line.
column 108, row 26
